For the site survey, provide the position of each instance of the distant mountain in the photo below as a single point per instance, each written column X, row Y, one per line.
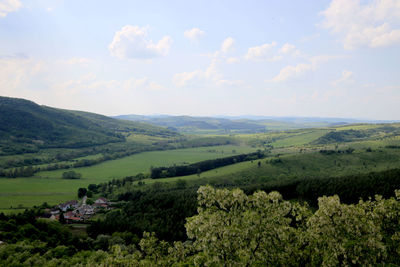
column 27, row 124
column 240, row 124
column 301, row 120
column 188, row 124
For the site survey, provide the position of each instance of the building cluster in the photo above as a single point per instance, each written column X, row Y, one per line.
column 74, row 211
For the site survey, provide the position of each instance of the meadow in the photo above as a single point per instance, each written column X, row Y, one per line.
column 47, row 186
column 300, row 165
column 289, row 154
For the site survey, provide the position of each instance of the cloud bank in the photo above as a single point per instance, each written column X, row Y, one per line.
column 373, row 24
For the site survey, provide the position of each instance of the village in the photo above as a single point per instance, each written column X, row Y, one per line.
column 75, row 211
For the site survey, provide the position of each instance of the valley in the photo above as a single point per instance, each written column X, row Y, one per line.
column 153, row 175
column 287, row 154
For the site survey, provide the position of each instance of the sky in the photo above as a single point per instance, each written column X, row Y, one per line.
column 326, row 58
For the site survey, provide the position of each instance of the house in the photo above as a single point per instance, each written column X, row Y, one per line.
column 101, row 200
column 1, row 243
column 69, row 214
column 69, row 205
column 99, row 206
column 54, row 211
column 46, row 215
column 85, row 210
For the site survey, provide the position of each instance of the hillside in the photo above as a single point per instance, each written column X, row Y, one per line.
column 26, row 126
column 236, row 124
column 199, row 125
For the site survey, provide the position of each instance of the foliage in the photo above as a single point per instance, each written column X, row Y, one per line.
column 198, row 167
column 82, row 192
column 157, row 210
column 235, row 229
column 71, row 175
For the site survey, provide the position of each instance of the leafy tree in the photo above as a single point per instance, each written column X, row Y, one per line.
column 71, row 175
column 62, row 219
column 234, row 229
column 82, row 192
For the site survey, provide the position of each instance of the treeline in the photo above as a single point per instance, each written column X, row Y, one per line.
column 393, row 146
column 159, row 210
column 338, row 151
column 232, row 228
column 198, row 167
column 349, row 188
column 25, row 226
column 24, row 168
column 19, row 172
column 161, row 207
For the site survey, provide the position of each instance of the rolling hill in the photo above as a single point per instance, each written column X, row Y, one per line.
column 26, row 126
column 240, row 124
column 188, row 124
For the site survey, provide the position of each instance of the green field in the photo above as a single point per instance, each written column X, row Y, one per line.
column 305, row 165
column 298, row 149
column 49, row 187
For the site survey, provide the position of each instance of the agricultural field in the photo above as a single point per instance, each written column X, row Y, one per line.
column 303, row 165
column 289, row 154
column 47, row 186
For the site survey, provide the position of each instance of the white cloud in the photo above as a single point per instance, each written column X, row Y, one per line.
column 8, row 6
column 210, row 74
column 262, row 52
column 131, row 42
column 369, row 24
column 347, row 76
column 227, row 45
column 183, row 78
column 289, row 49
column 292, row 71
column 193, row 34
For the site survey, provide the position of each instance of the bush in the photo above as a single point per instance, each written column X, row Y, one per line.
column 71, row 175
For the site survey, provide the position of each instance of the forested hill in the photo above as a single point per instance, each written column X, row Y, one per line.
column 240, row 124
column 26, row 124
column 197, row 125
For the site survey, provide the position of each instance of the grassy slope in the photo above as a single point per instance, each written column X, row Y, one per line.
column 49, row 187
column 311, row 164
column 26, row 125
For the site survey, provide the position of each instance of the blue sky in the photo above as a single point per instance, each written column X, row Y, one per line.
column 336, row 58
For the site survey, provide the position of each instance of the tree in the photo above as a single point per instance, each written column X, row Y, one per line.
column 181, row 184
column 82, row 192
column 71, row 175
column 233, row 229
column 343, row 235
column 93, row 188
column 62, row 219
